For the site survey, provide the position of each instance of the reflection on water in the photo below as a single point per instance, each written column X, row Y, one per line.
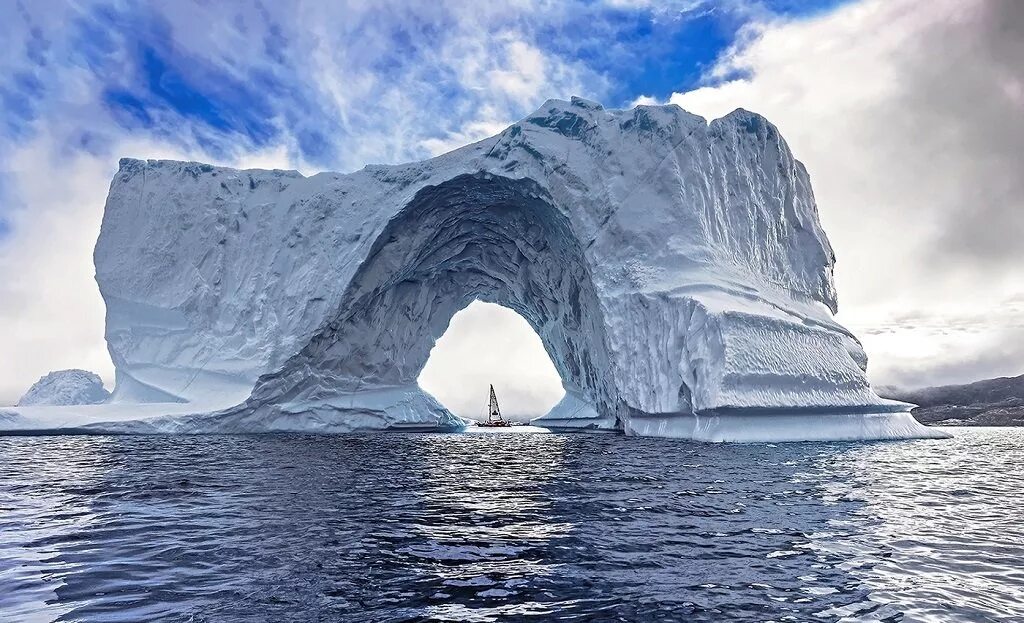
column 506, row 526
column 946, row 539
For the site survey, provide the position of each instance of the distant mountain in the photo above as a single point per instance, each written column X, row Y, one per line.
column 992, row 402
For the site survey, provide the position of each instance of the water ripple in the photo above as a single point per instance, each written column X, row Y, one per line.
column 504, row 527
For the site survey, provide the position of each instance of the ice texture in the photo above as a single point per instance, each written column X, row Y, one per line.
column 675, row 270
column 66, row 387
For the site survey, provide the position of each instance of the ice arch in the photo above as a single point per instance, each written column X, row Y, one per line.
column 674, row 268
column 475, row 237
column 489, row 344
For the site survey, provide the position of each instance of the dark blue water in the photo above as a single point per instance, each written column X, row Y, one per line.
column 485, row 527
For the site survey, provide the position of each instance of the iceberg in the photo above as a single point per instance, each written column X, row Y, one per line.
column 66, row 387
column 675, row 270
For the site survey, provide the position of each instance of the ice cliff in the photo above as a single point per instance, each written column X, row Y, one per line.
column 675, row 270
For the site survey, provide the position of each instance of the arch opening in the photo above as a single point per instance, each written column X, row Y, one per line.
column 489, row 344
column 474, row 238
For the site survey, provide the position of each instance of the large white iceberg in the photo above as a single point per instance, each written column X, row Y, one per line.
column 675, row 270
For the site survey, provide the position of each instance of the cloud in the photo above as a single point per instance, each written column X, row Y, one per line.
column 908, row 118
column 644, row 100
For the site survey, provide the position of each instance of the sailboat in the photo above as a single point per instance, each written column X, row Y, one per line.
column 494, row 418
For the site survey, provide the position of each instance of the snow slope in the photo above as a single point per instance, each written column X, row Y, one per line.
column 675, row 270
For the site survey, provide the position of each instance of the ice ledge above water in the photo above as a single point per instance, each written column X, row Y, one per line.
column 735, row 427
column 747, row 427
column 889, row 420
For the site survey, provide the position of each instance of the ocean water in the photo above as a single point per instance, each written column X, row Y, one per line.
column 510, row 526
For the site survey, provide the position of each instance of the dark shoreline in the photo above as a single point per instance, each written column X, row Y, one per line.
column 992, row 402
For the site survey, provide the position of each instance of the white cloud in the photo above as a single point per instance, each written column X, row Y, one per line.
column 51, row 311
column 644, row 100
column 901, row 113
column 482, row 74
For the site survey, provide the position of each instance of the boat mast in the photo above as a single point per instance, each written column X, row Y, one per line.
column 493, row 412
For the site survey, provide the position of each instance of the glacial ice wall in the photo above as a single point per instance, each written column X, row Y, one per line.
column 675, row 270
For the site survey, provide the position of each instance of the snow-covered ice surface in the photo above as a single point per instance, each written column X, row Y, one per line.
column 675, row 270
column 66, row 387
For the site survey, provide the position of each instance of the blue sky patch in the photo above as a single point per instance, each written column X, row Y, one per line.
column 236, row 77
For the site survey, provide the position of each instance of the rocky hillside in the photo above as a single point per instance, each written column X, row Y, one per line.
column 992, row 402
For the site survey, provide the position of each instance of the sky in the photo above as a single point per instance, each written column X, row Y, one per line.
column 908, row 115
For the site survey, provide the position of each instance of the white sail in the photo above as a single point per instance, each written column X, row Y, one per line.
column 493, row 412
